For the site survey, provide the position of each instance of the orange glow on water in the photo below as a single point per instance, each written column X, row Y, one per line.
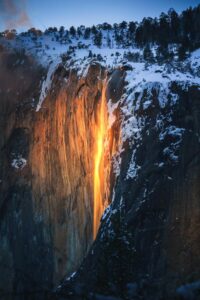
column 99, row 164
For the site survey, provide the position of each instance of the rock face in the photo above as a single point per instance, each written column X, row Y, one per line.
column 147, row 157
column 47, row 171
column 149, row 238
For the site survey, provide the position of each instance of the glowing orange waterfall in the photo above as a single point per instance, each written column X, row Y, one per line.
column 100, row 133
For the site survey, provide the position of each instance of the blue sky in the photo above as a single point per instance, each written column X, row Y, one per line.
column 45, row 13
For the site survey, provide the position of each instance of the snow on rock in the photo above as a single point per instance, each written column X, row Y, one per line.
column 173, row 131
column 131, row 129
column 177, row 134
column 19, row 163
column 46, row 85
column 133, row 167
column 170, row 153
column 160, row 165
column 106, row 213
column 194, row 60
column 111, row 108
column 116, row 162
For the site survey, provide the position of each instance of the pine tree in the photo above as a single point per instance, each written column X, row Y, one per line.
column 72, row 31
column 90, row 54
column 94, row 30
column 174, row 25
column 87, row 33
column 139, row 36
column 108, row 40
column 123, row 25
column 119, row 39
column 164, row 29
column 61, row 30
column 147, row 54
column 131, row 30
column 79, row 32
column 106, row 26
column 182, row 53
column 163, row 53
column 98, row 39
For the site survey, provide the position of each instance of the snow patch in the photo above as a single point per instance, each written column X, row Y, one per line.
column 133, row 167
column 19, row 163
column 46, row 85
column 111, row 108
column 172, row 131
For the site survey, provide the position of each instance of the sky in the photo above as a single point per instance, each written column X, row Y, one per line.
column 45, row 13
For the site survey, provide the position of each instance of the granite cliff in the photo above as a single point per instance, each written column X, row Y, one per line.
column 99, row 173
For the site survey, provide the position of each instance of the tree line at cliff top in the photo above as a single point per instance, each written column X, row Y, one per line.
column 170, row 28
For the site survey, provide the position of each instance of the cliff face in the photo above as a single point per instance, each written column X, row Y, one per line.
column 148, row 242
column 124, row 138
column 48, row 159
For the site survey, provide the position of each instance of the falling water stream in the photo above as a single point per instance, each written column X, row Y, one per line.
column 100, row 135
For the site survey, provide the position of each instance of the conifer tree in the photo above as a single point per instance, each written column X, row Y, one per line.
column 98, row 39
